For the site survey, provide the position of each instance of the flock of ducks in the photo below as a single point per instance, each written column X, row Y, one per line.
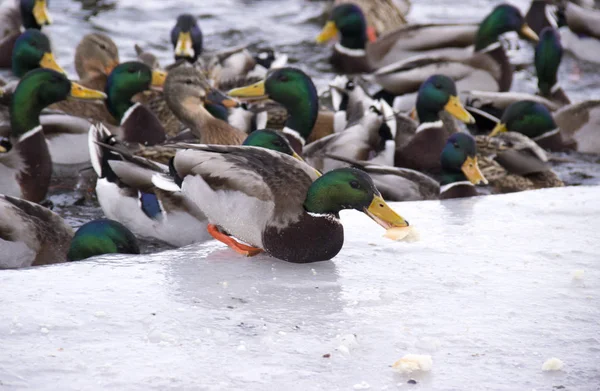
column 239, row 147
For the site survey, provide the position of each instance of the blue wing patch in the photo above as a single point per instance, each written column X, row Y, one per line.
column 150, row 205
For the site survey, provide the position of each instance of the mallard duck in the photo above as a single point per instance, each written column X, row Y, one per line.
column 186, row 38
column 535, row 121
column 186, row 91
column 25, row 163
column 437, row 94
column 364, row 139
column 274, row 202
column 382, row 16
column 32, row 235
column 126, row 194
column 487, row 68
column 295, row 90
column 395, row 183
column 96, row 56
column 579, row 26
column 548, row 55
column 513, row 162
column 146, row 57
column 460, row 168
column 355, row 54
column 31, row 14
column 32, row 51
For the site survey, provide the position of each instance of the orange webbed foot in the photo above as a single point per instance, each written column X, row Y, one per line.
column 245, row 250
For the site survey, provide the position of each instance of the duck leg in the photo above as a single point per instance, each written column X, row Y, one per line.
column 236, row 246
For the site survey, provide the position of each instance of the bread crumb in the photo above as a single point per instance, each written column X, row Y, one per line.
column 553, row 364
column 413, row 362
column 577, row 274
column 405, row 234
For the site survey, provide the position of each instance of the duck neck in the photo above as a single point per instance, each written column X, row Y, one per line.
column 24, row 114
column 302, row 114
column 118, row 100
column 449, row 176
column 356, row 40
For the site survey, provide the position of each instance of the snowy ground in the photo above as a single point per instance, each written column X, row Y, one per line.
column 493, row 288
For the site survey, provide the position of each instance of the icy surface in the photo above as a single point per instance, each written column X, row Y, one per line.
column 487, row 292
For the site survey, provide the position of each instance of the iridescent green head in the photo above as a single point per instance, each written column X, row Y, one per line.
column 34, row 13
column 270, row 139
column 293, row 89
column 350, row 188
column 526, row 117
column 125, row 81
column 39, row 89
column 100, row 237
column 548, row 55
column 349, row 21
column 459, row 160
column 436, row 94
column 502, row 19
column 32, row 51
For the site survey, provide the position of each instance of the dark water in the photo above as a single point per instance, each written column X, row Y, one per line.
column 288, row 26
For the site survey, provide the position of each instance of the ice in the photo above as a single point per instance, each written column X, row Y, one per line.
column 487, row 292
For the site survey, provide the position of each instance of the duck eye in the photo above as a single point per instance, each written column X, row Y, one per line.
column 189, row 82
column 131, row 70
column 438, row 86
column 456, row 145
column 103, row 46
column 354, row 184
column 278, row 143
column 283, row 78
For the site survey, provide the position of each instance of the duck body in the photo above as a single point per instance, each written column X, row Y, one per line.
column 126, row 194
column 273, row 195
column 31, row 235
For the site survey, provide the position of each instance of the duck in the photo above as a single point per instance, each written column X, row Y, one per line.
column 395, row 184
column 535, row 121
column 355, row 54
column 32, row 50
column 487, row 68
column 578, row 26
column 382, row 15
column 438, row 94
column 364, row 139
column 146, row 57
column 548, row 56
column 14, row 14
column 126, row 194
column 33, row 235
column 512, row 162
column 288, row 211
column 186, row 91
column 187, row 38
column 460, row 168
column 296, row 92
column 25, row 162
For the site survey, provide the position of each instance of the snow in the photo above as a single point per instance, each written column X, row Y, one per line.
column 553, row 364
column 487, row 291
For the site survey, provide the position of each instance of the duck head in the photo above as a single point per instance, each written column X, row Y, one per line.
column 271, row 139
column 436, row 94
column 31, row 51
column 548, row 55
column 293, row 89
column 526, row 117
column 128, row 79
column 100, row 237
column 350, row 188
column 96, row 55
column 350, row 23
column 459, row 160
column 502, row 19
column 34, row 13
column 186, row 38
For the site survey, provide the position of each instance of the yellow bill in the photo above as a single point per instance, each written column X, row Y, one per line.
column 49, row 62
column 3, row 149
column 329, row 32
column 80, row 92
column 383, row 215
column 256, row 90
column 499, row 128
column 471, row 170
column 40, row 13
column 158, row 79
column 528, row 33
column 184, row 47
column 456, row 108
